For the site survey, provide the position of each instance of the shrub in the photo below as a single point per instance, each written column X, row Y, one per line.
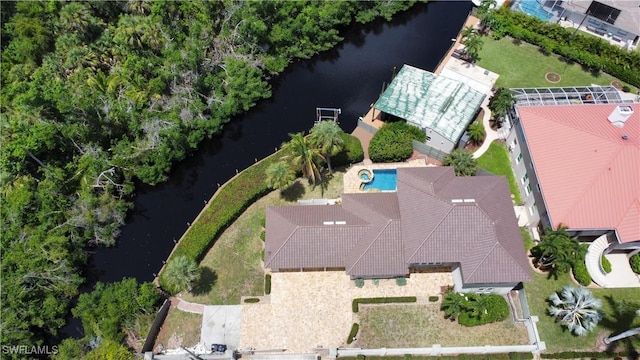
column 359, row 282
column 262, row 235
column 434, row 298
column 251, row 300
column 381, row 300
column 606, row 264
column 263, row 222
column 351, row 153
column 401, row 281
column 580, row 273
column 495, row 306
column 376, row 282
column 267, row 284
column 392, row 143
column 634, row 261
column 352, row 334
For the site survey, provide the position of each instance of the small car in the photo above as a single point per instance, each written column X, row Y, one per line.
column 218, row 348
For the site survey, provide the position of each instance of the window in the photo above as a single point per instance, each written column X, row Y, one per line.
column 527, row 190
column 525, row 178
column 538, row 186
column 519, row 158
column 532, row 209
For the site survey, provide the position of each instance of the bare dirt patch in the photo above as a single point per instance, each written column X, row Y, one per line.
column 179, row 329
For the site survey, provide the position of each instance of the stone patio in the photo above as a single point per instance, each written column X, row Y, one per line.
column 308, row 310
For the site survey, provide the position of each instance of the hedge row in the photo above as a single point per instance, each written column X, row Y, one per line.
column 352, row 334
column 634, row 262
column 509, row 356
column 381, row 300
column 581, row 273
column 591, row 52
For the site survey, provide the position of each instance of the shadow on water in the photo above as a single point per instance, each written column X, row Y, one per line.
column 349, row 77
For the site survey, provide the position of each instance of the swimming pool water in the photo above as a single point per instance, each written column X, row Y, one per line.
column 534, row 8
column 383, row 180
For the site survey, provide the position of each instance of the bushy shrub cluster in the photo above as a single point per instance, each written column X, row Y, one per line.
column 581, row 273
column 475, row 309
column 359, row 282
column 351, row 153
column 352, row 334
column 392, row 143
column 434, row 298
column 634, row 261
column 381, row 300
column 591, row 52
column 401, row 281
column 606, row 264
column 267, row 284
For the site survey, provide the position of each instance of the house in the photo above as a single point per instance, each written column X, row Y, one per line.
column 576, row 157
column 433, row 219
column 442, row 106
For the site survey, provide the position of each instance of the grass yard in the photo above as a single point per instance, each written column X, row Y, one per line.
column 180, row 329
column 394, row 326
column 557, row 337
column 496, row 160
column 525, row 66
column 233, row 266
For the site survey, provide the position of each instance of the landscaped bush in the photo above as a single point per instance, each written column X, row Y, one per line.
column 495, row 309
column 381, row 300
column 251, row 300
column 591, row 52
column 267, row 284
column 434, row 298
column 230, row 201
column 392, row 143
column 401, row 281
column 262, row 235
column 634, row 261
column 581, row 273
column 359, row 282
column 351, row 153
column 606, row 264
column 352, row 334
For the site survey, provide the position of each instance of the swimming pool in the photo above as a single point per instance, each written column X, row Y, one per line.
column 534, row 8
column 383, row 180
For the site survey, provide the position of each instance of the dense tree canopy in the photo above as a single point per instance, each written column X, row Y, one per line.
column 94, row 95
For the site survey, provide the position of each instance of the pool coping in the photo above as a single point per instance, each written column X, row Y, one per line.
column 352, row 181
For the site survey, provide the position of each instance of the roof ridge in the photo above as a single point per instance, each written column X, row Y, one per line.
column 283, row 244
column 365, row 250
column 444, row 216
column 484, row 258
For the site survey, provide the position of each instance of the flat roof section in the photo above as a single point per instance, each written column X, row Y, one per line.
column 427, row 100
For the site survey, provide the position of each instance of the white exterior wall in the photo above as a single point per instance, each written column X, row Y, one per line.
column 439, row 142
column 493, row 288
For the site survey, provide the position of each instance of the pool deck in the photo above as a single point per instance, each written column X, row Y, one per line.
column 352, row 181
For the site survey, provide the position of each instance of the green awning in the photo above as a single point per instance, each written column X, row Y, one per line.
column 427, row 100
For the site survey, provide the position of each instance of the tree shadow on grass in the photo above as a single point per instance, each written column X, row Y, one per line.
column 207, row 279
column 622, row 319
column 293, row 192
column 323, row 183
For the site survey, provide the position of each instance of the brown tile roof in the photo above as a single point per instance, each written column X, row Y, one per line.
column 433, row 217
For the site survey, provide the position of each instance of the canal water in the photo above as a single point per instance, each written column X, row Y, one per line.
column 349, row 77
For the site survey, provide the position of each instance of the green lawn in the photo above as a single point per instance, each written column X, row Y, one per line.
column 524, row 66
column 496, row 160
column 557, row 337
column 233, row 266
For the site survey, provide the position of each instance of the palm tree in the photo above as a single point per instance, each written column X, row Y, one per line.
column 623, row 317
column 577, row 309
column 485, row 13
column 479, row 306
column 462, row 161
column 453, row 304
column 467, row 32
column 473, row 45
column 301, row 155
column 500, row 103
column 327, row 136
column 558, row 250
column 280, row 175
column 476, row 132
column 180, row 273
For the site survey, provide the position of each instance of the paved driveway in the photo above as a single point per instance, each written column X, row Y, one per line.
column 221, row 325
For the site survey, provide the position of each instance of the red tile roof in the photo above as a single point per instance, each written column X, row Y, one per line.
column 589, row 174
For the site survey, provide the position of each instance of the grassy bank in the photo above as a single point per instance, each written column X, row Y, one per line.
column 496, row 160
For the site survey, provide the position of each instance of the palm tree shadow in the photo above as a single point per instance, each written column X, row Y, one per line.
column 621, row 320
column 206, row 281
column 293, row 192
column 324, row 183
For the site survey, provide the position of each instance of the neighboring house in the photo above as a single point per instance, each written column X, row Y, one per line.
column 441, row 106
column 434, row 219
column 576, row 157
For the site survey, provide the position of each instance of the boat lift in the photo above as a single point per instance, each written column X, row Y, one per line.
column 327, row 114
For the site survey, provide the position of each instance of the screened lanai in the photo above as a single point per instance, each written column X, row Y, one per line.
column 567, row 95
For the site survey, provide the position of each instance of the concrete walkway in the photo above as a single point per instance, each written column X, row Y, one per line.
column 187, row 306
column 491, row 134
column 621, row 274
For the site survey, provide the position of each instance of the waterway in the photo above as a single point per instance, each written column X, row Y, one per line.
column 349, row 77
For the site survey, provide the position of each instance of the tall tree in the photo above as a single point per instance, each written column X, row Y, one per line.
column 327, row 136
column 558, row 250
column 303, row 156
column 577, row 309
column 462, row 161
column 467, row 32
column 180, row 273
column 500, row 103
column 280, row 175
column 473, row 45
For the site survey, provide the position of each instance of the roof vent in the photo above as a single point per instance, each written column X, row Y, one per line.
column 341, row 223
column 620, row 115
column 328, row 223
column 625, row 137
